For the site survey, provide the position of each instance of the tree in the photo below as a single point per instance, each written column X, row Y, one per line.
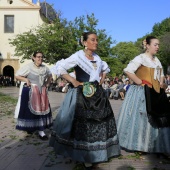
column 125, row 51
column 89, row 23
column 54, row 40
column 116, row 67
column 161, row 28
column 59, row 39
column 164, row 51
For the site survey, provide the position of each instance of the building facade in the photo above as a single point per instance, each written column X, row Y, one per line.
column 16, row 17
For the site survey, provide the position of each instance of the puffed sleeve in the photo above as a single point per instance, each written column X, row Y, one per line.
column 24, row 71
column 105, row 67
column 63, row 65
column 133, row 65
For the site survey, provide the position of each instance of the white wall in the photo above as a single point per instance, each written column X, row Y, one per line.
column 26, row 16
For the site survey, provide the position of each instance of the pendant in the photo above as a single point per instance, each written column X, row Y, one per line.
column 95, row 66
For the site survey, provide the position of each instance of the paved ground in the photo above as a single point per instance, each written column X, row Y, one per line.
column 19, row 151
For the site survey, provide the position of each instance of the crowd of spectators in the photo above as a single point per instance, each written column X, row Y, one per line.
column 6, row 81
column 115, row 87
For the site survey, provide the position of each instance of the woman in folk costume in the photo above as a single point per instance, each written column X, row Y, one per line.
column 143, row 122
column 34, row 110
column 85, row 128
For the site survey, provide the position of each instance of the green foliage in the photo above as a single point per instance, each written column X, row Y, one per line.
column 116, row 67
column 164, row 51
column 54, row 40
column 4, row 99
column 161, row 28
column 59, row 39
column 7, row 105
column 125, row 51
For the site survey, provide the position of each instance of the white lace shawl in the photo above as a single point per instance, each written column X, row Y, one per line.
column 42, row 72
column 81, row 60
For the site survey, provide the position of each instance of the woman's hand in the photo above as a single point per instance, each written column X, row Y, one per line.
column 47, row 85
column 163, row 86
column 103, row 76
column 28, row 82
column 76, row 83
column 101, row 81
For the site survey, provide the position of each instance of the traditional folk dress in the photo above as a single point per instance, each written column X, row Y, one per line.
column 34, row 112
column 85, row 127
column 136, row 129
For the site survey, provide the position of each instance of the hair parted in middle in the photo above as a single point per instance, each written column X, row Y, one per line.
column 35, row 53
column 84, row 37
column 147, row 41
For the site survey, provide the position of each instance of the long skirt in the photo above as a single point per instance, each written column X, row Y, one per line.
column 16, row 113
column 27, row 121
column 134, row 130
column 85, row 128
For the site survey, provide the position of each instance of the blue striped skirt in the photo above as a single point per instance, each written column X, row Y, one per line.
column 134, row 130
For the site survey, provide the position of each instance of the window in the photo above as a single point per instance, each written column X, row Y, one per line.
column 9, row 23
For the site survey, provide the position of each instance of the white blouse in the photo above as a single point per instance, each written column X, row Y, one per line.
column 81, row 60
column 35, row 74
column 144, row 60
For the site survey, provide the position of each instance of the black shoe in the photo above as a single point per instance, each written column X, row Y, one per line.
column 88, row 168
column 43, row 137
column 30, row 132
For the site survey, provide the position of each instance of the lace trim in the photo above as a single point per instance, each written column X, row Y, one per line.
column 86, row 146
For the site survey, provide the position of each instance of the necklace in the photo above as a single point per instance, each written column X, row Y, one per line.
column 94, row 64
column 152, row 57
column 87, row 54
column 38, row 66
column 90, row 56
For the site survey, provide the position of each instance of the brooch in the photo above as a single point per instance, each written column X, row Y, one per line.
column 88, row 89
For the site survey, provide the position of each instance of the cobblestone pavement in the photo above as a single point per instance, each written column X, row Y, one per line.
column 19, row 151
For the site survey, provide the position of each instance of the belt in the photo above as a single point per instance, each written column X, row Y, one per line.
column 146, row 82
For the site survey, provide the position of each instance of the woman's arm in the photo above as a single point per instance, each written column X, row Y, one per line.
column 134, row 78
column 47, row 84
column 103, row 76
column 72, row 80
column 24, row 79
column 162, row 81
